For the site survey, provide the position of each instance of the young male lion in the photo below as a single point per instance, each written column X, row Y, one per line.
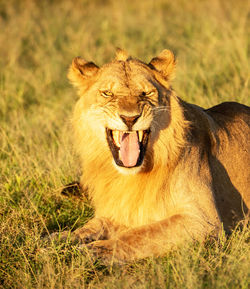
column 159, row 171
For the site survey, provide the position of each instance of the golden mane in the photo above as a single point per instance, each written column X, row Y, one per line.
column 108, row 188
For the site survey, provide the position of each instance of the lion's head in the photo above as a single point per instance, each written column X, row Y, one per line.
column 124, row 105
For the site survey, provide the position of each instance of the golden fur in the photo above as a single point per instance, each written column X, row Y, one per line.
column 195, row 173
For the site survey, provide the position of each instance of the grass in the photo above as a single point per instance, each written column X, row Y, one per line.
column 38, row 40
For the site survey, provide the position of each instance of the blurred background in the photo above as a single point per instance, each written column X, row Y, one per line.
column 38, row 40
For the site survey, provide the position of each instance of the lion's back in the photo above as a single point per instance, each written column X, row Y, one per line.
column 232, row 158
column 227, row 112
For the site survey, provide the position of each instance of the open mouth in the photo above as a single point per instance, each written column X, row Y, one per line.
column 128, row 147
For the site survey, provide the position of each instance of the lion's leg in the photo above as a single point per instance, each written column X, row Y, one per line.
column 154, row 239
column 95, row 229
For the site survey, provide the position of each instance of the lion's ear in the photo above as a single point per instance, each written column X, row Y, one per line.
column 121, row 54
column 80, row 70
column 164, row 63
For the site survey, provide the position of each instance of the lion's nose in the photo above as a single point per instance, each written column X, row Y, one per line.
column 129, row 120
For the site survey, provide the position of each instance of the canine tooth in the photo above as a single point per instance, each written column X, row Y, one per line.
column 140, row 133
column 116, row 137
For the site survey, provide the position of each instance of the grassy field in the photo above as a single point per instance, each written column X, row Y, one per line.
column 38, row 40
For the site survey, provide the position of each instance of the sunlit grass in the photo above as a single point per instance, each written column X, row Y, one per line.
column 38, row 40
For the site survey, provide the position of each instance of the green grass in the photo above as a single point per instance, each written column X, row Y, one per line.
column 38, row 40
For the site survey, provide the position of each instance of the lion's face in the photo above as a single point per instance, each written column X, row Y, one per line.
column 125, row 100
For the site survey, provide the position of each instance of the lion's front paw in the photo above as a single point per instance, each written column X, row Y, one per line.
column 76, row 238
column 103, row 249
column 109, row 251
column 86, row 236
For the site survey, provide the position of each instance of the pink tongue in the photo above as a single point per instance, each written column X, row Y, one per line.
column 129, row 150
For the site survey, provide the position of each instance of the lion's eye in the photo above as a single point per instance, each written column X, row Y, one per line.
column 148, row 93
column 106, row 93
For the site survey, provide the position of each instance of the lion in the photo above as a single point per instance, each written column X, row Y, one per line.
column 159, row 171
